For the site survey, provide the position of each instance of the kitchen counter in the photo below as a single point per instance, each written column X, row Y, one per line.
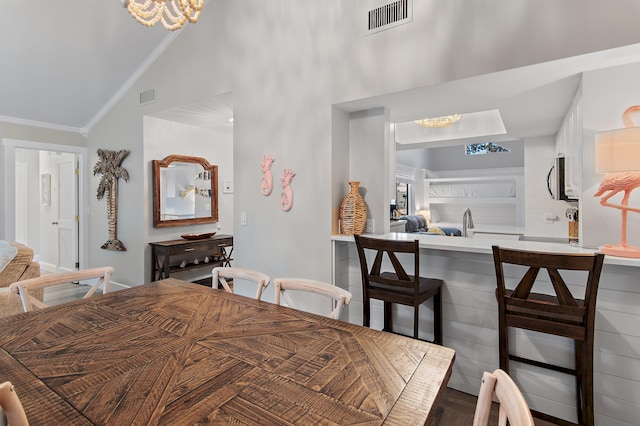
column 471, row 322
column 483, row 245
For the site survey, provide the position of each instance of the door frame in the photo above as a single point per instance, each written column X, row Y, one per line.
column 10, row 188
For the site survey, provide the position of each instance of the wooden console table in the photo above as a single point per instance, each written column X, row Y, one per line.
column 168, row 257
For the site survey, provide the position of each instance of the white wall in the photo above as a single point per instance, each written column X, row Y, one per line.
column 607, row 94
column 287, row 62
column 538, row 159
column 33, row 134
column 31, row 198
column 370, row 158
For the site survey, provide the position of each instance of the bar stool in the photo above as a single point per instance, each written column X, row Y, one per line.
column 560, row 315
column 398, row 286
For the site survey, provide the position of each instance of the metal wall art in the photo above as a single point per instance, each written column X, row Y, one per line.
column 110, row 167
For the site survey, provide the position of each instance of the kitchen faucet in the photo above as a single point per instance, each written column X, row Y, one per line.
column 467, row 222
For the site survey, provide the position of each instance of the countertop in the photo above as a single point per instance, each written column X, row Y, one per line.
column 483, row 245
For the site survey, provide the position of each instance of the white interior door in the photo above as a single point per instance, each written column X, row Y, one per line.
column 67, row 208
column 22, row 205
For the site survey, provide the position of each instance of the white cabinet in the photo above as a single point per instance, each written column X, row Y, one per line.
column 569, row 146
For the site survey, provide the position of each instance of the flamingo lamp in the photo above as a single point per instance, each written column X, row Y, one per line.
column 618, row 155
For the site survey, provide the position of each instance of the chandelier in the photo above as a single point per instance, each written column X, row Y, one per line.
column 173, row 13
column 445, row 121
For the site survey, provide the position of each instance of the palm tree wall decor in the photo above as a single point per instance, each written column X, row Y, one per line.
column 110, row 167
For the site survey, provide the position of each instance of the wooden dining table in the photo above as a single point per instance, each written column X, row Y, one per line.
column 173, row 352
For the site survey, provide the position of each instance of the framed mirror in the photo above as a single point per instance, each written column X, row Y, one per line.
column 185, row 191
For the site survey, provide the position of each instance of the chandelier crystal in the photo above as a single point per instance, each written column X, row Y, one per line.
column 173, row 13
column 445, row 121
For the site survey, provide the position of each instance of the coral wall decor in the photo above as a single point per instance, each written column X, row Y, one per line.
column 267, row 179
column 110, row 167
column 286, row 197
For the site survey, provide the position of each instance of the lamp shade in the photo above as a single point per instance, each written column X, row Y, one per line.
column 618, row 150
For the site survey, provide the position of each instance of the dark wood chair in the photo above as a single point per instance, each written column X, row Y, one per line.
column 560, row 315
column 397, row 286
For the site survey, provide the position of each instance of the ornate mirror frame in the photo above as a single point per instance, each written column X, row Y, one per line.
column 207, row 190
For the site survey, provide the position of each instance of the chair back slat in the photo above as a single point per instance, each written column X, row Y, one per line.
column 397, row 267
column 565, row 297
column 389, row 249
column 563, row 306
column 221, row 274
column 573, row 261
column 543, row 307
column 101, row 275
column 377, row 264
column 339, row 296
column 523, row 288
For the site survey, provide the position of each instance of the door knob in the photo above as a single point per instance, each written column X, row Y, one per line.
column 54, row 223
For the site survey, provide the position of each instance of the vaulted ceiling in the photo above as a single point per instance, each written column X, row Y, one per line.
column 65, row 62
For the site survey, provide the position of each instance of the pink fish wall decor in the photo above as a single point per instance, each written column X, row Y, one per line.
column 267, row 179
column 286, row 197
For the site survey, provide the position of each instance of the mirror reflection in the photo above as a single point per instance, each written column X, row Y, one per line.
column 184, row 191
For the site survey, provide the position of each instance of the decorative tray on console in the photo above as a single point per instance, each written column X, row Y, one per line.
column 202, row 236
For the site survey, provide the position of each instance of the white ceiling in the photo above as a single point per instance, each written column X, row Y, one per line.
column 64, row 63
column 532, row 101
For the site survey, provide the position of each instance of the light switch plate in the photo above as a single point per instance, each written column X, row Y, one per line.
column 370, row 226
column 227, row 187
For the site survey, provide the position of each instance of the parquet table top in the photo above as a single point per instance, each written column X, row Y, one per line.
column 172, row 352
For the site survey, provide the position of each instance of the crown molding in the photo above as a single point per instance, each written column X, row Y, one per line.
column 41, row 124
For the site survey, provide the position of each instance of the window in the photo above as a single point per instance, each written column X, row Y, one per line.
column 483, row 148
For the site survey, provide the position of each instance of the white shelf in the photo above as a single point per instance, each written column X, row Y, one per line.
column 479, row 195
column 473, row 200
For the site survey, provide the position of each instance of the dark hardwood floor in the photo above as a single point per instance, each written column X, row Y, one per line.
column 65, row 293
column 457, row 409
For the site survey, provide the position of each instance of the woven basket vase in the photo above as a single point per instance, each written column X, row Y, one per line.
column 353, row 211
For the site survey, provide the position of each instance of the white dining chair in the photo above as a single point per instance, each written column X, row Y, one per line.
column 11, row 410
column 221, row 274
column 102, row 277
column 339, row 296
column 513, row 406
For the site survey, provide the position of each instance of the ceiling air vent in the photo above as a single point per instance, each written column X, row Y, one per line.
column 389, row 15
column 147, row 96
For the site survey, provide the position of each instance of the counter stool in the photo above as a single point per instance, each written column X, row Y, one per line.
column 560, row 315
column 398, row 286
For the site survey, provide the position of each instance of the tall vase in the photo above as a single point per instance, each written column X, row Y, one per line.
column 353, row 211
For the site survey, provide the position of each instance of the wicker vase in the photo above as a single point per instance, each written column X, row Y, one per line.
column 353, row 212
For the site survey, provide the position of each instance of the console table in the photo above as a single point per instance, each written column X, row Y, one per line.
column 168, row 257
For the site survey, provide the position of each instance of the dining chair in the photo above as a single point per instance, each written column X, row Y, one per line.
column 397, row 286
column 339, row 296
column 101, row 275
column 221, row 274
column 11, row 410
column 513, row 406
column 561, row 314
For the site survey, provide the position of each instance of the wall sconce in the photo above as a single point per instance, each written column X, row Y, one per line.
column 618, row 155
